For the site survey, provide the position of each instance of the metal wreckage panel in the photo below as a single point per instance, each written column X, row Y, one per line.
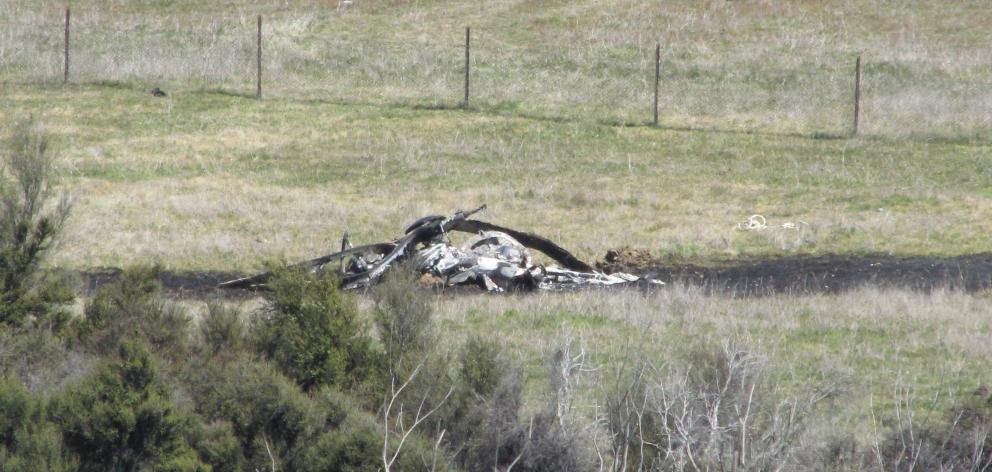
column 495, row 258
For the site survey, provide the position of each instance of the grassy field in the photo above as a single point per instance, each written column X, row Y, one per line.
column 205, row 180
column 359, row 131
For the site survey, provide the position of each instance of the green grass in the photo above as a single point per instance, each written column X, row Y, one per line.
column 360, row 128
column 205, row 176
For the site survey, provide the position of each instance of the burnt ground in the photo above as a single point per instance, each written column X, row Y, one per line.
column 816, row 274
column 179, row 284
column 748, row 277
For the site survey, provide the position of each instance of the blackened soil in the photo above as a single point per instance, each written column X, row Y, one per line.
column 751, row 277
column 179, row 284
column 822, row 274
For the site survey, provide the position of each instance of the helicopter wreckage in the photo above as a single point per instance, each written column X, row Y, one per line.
column 495, row 258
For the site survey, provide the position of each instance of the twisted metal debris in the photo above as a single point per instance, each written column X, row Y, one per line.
column 495, row 258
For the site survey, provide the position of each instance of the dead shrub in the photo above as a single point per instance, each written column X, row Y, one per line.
column 720, row 410
column 962, row 442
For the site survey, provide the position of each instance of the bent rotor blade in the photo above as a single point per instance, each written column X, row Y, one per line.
column 530, row 241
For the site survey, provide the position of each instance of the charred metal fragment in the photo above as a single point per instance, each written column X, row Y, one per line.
column 360, row 251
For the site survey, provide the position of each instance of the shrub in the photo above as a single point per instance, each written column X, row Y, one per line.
column 28, row 228
column 962, row 443
column 483, row 418
column 482, row 366
column 131, row 308
column 28, row 442
column 223, row 330
column 121, row 419
column 720, row 409
column 311, row 330
column 403, row 315
column 268, row 414
column 486, row 426
column 403, row 319
column 217, row 445
column 39, row 359
column 549, row 447
column 274, row 421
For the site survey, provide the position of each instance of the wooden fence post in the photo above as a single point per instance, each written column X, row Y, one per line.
column 258, row 61
column 857, row 95
column 657, row 79
column 65, row 62
column 468, row 39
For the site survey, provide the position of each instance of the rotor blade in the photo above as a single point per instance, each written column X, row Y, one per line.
column 529, row 240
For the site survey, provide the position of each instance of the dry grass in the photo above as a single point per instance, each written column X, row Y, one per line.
column 876, row 345
column 770, row 66
column 881, row 352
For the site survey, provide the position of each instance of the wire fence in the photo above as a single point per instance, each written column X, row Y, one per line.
column 675, row 86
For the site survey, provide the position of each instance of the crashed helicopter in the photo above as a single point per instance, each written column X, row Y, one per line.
column 495, row 258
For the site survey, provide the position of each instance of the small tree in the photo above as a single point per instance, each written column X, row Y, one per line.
column 132, row 308
column 403, row 320
column 31, row 218
column 311, row 330
column 122, row 419
column 28, row 441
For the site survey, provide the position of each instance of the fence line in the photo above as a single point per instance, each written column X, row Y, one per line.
column 221, row 44
column 467, row 69
column 65, row 68
column 258, row 72
column 857, row 95
column 657, row 80
column 468, row 39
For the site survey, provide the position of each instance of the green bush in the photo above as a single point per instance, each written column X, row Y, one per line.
column 28, row 228
column 218, row 446
column 223, row 330
column 266, row 411
column 28, row 441
column 120, row 418
column 482, row 366
column 311, row 330
column 274, row 421
column 39, row 359
column 132, row 308
column 484, row 413
column 403, row 319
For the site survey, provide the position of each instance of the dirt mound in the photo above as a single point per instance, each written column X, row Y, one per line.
column 624, row 259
